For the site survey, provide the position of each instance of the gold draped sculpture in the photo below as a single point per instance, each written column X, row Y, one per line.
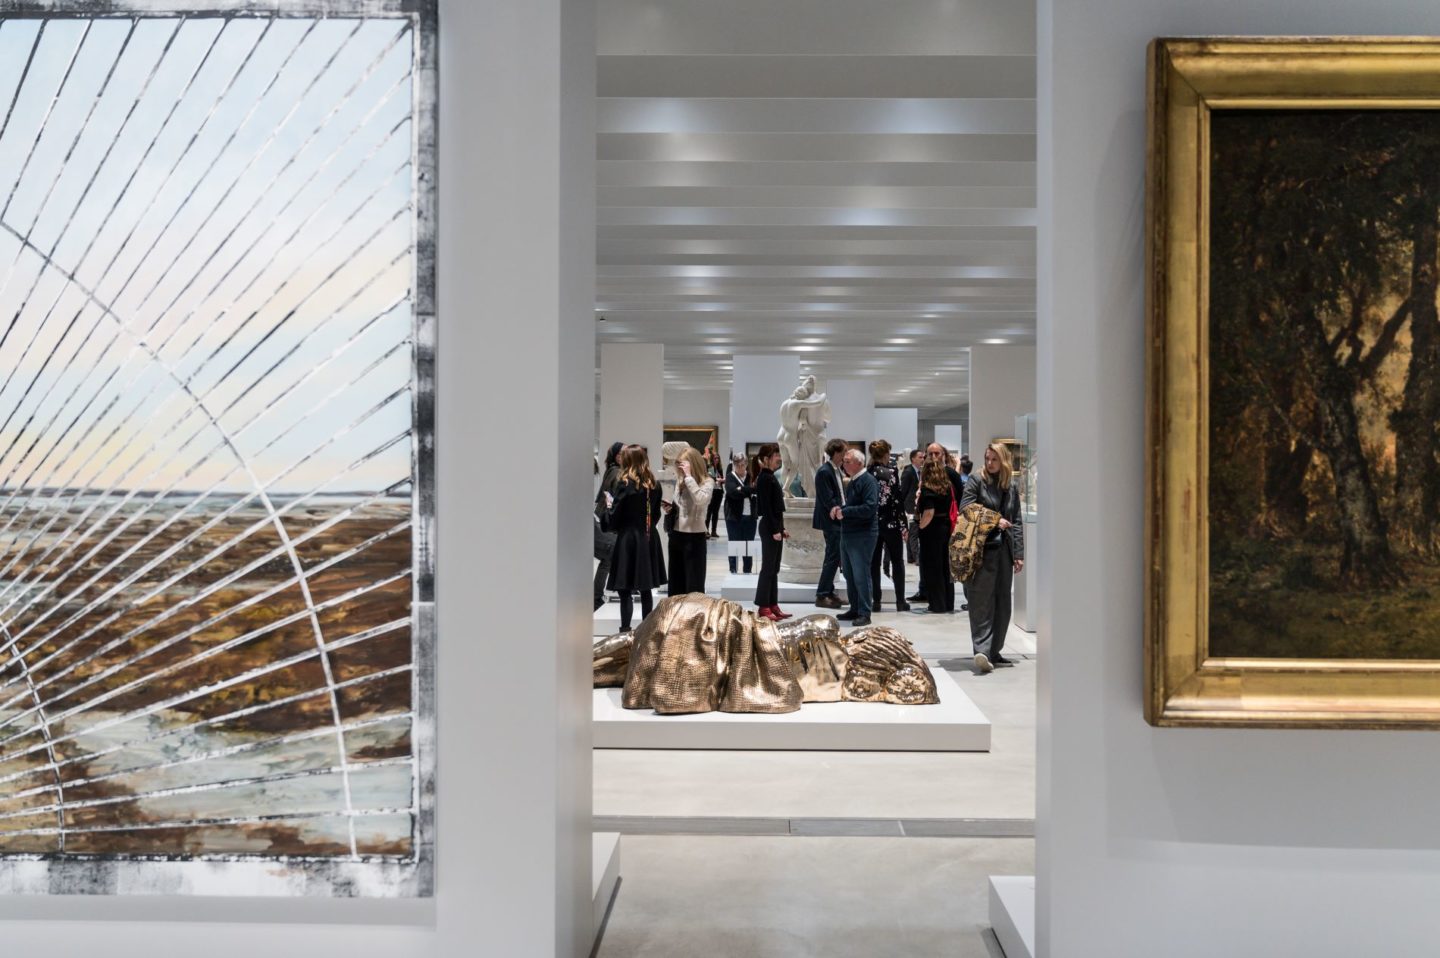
column 696, row 653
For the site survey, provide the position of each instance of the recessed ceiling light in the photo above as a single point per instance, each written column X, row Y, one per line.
column 899, row 341
column 995, row 342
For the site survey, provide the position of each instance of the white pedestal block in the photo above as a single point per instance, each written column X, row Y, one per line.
column 954, row 725
column 1012, row 914
column 606, row 873
column 741, row 588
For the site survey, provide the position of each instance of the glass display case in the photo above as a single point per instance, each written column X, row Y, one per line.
column 1025, row 466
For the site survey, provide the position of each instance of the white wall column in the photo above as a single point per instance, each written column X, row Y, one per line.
column 852, row 408
column 632, row 395
column 760, row 385
column 1189, row 843
column 899, row 427
column 1002, row 386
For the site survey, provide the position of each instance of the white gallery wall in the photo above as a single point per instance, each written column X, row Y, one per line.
column 1187, row 843
column 761, row 384
column 951, row 436
column 852, row 408
column 513, row 809
column 1002, row 386
column 632, row 395
column 700, row 407
column 899, row 427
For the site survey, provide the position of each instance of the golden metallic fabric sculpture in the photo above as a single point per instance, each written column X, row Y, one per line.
column 696, row 653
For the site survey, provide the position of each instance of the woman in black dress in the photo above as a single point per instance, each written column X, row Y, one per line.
column 636, row 564
column 936, row 496
column 717, row 482
column 891, row 515
column 771, row 501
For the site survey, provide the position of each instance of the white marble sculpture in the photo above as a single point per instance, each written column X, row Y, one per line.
column 803, row 418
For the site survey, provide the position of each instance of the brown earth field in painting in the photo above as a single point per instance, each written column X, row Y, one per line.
column 1279, row 604
column 220, row 627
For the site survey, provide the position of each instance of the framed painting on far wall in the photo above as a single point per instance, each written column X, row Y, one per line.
column 1293, row 455
column 699, row 437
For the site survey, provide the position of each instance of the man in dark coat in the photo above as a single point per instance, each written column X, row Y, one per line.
column 829, row 493
column 909, row 498
column 859, row 518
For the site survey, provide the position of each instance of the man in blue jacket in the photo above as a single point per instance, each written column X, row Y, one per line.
column 859, row 519
column 829, row 493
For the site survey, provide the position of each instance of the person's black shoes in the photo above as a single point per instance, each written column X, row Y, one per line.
column 829, row 602
column 965, row 607
column 848, row 616
column 917, row 597
column 861, row 622
column 599, row 602
column 899, row 607
column 998, row 659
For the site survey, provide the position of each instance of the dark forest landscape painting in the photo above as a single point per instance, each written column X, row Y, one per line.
column 1324, row 391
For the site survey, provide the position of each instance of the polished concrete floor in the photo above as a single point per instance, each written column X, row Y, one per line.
column 719, row 857
column 726, row 897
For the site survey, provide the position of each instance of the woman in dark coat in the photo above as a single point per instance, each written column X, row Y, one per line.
column 633, row 514
column 741, row 513
column 936, row 496
column 988, row 593
column 771, row 500
column 605, row 540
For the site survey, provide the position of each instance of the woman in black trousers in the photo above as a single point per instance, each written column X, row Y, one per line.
column 633, row 514
column 891, row 515
column 772, row 530
column 716, row 476
column 936, row 496
column 988, row 593
column 741, row 513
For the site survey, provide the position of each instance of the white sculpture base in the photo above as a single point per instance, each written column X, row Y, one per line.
column 955, row 724
column 804, row 552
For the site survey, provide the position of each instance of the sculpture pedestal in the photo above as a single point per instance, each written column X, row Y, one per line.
column 804, row 551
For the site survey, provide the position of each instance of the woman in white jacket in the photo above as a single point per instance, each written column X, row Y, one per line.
column 687, row 540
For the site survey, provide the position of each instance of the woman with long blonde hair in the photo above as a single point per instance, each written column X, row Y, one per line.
column 988, row 593
column 633, row 514
column 693, row 492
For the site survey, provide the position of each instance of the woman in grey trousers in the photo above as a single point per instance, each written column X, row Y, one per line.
column 988, row 593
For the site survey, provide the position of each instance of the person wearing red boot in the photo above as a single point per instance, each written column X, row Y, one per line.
column 770, row 499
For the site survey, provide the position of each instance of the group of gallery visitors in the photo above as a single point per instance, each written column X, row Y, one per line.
column 869, row 513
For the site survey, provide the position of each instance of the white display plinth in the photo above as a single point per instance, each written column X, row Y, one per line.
column 741, row 588
column 954, row 725
column 1012, row 914
column 606, row 874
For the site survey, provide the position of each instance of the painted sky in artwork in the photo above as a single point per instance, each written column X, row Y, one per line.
column 205, row 254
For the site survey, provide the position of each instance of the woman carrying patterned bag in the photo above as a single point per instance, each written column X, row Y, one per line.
column 988, row 593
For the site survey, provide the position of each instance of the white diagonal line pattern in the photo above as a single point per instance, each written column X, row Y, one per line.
column 206, row 362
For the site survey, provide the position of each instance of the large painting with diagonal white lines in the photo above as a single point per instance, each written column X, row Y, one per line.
column 216, row 324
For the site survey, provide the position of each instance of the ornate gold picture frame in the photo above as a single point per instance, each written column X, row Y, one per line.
column 1312, row 678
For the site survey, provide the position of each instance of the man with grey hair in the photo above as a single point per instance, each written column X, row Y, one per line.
column 859, row 518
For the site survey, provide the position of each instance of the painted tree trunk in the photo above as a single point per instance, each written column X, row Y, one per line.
column 1417, row 468
column 1366, row 561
